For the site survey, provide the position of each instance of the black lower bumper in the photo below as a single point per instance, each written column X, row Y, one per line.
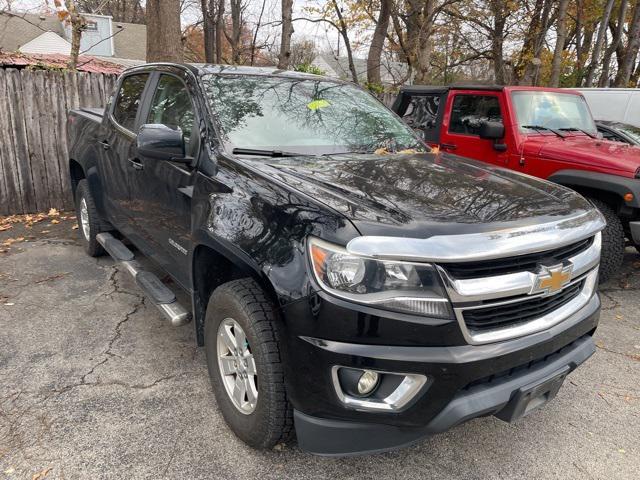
column 505, row 397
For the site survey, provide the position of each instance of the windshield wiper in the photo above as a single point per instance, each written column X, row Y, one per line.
column 265, row 153
column 540, row 127
column 576, row 129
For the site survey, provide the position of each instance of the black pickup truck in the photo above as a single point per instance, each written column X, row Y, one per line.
column 347, row 285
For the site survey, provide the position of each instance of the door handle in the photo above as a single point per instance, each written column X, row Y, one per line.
column 135, row 163
column 105, row 145
column 448, row 146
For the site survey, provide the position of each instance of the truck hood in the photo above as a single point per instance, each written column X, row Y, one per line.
column 424, row 194
column 606, row 155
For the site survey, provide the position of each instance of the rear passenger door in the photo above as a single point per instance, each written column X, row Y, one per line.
column 118, row 141
column 461, row 126
column 161, row 189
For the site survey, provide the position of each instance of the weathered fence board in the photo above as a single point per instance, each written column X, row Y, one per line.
column 33, row 130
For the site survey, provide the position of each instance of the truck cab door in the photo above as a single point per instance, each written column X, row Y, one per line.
column 461, row 125
column 161, row 190
column 117, row 139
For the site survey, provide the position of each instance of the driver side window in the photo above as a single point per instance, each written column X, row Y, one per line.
column 172, row 106
column 470, row 111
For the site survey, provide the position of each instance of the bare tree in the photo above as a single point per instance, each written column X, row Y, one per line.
column 597, row 47
column 68, row 13
column 377, row 42
column 287, row 32
column 163, row 31
column 561, row 36
column 236, row 30
column 630, row 51
column 618, row 31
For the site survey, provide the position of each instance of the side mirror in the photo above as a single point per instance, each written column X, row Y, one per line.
column 161, row 142
column 491, row 130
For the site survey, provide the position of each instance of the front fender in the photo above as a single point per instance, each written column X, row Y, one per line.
column 617, row 185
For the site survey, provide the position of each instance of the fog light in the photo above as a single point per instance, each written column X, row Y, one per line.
column 368, row 382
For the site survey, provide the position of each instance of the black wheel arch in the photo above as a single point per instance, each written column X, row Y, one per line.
column 608, row 188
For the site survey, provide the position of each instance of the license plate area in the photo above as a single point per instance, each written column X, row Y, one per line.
column 533, row 396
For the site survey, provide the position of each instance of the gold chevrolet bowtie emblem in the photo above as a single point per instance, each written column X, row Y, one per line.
column 551, row 279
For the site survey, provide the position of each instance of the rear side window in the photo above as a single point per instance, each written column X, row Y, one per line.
column 422, row 112
column 128, row 100
column 469, row 111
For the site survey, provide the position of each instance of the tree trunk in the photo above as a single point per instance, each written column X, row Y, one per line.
column 287, row 32
column 377, row 43
column 209, row 30
column 534, row 41
column 597, row 47
column 615, row 42
column 219, row 33
column 164, row 42
column 347, row 43
column 77, row 26
column 630, row 51
column 236, row 30
column 497, row 40
column 556, row 63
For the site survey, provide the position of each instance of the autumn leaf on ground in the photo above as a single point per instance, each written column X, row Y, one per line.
column 42, row 474
column 54, row 221
column 5, row 227
column 74, row 227
column 54, row 212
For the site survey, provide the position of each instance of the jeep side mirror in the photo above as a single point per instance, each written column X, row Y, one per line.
column 491, row 130
column 162, row 143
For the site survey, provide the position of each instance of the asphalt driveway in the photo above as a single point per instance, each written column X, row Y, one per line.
column 94, row 384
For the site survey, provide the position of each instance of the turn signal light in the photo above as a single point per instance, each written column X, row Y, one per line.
column 628, row 197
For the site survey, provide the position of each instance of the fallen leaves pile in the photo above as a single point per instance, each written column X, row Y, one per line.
column 52, row 217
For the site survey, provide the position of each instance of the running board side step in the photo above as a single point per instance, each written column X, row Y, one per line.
column 161, row 296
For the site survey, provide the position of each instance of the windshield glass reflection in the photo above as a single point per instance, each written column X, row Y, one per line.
column 314, row 117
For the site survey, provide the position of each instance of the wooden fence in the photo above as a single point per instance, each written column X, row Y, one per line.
column 34, row 173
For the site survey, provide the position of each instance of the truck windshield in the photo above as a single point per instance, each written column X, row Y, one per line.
column 302, row 116
column 537, row 111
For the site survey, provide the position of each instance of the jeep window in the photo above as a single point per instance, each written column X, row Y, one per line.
column 558, row 111
column 128, row 100
column 422, row 112
column 171, row 105
column 304, row 116
column 470, row 111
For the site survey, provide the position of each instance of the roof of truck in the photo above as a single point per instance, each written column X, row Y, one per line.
column 206, row 68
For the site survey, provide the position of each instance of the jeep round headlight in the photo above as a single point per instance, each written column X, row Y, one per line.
column 404, row 287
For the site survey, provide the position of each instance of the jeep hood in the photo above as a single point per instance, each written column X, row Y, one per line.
column 424, row 194
column 610, row 157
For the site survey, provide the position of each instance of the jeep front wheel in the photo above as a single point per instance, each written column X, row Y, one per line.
column 612, row 241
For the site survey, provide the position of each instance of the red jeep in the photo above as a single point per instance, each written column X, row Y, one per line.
column 544, row 132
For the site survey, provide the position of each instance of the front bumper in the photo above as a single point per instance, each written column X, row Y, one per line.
column 339, row 437
column 465, row 381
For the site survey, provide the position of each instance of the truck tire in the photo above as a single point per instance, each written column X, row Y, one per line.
column 89, row 223
column 245, row 364
column 612, row 241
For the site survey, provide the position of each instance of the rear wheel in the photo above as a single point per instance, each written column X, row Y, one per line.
column 245, row 365
column 89, row 224
column 612, row 241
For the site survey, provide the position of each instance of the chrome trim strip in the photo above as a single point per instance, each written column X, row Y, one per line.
column 481, row 246
column 512, row 284
column 533, row 326
column 410, row 386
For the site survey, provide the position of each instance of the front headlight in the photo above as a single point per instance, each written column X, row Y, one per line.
column 403, row 287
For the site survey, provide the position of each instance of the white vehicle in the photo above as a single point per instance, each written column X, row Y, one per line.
column 614, row 104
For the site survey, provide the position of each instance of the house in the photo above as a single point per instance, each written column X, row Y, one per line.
column 391, row 73
column 117, row 42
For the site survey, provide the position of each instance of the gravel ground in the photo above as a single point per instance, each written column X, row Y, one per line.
column 94, row 384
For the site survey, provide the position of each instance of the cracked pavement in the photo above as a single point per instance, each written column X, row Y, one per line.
column 95, row 384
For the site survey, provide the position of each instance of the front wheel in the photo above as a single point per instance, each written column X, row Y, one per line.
column 245, row 365
column 612, row 241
